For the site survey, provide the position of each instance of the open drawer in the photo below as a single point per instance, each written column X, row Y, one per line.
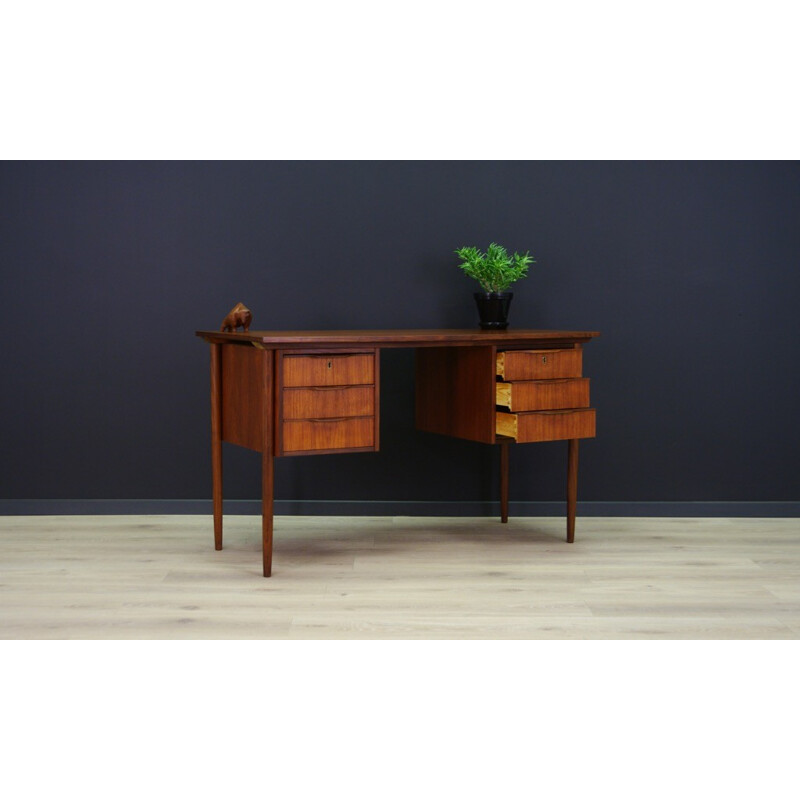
column 543, row 395
column 547, row 426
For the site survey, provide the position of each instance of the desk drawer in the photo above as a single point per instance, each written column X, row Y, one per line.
column 529, row 365
column 547, row 426
column 302, row 435
column 329, row 370
column 538, row 395
column 316, row 402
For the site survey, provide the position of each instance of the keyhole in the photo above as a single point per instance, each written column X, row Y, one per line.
column 329, row 365
column 544, row 359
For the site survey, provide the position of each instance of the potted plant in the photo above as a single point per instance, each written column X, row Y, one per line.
column 495, row 270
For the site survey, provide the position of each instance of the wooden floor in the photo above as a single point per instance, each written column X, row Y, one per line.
column 158, row 577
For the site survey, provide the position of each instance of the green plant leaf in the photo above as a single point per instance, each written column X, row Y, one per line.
column 495, row 270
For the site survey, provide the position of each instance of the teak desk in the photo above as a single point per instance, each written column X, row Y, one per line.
column 299, row 393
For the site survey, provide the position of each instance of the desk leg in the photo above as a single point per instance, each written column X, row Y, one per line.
column 267, row 482
column 572, row 487
column 268, row 460
column 216, row 440
column 503, row 481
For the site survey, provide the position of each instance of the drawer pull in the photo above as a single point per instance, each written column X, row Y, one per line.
column 329, row 419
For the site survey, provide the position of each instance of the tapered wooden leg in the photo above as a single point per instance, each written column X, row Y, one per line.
column 503, row 481
column 267, row 459
column 216, row 440
column 267, row 484
column 572, row 487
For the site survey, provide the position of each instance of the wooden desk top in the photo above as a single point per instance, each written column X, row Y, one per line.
column 397, row 338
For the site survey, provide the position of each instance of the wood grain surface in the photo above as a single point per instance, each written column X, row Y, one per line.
column 529, row 365
column 329, row 370
column 328, row 401
column 242, row 396
column 400, row 337
column 155, row 577
column 455, row 392
column 547, row 426
column 539, row 395
column 302, row 435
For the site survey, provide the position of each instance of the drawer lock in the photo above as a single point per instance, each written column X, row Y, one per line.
column 544, row 360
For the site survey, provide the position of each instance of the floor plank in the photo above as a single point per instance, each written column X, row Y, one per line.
column 158, row 577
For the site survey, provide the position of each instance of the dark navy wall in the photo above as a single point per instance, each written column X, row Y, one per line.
column 691, row 271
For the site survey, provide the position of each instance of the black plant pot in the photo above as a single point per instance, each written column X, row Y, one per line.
column 493, row 309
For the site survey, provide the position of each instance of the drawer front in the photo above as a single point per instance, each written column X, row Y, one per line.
column 547, row 426
column 328, row 434
column 538, row 395
column 529, row 365
column 316, row 402
column 331, row 370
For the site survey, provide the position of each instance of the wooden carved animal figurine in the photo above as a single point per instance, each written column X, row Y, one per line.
column 238, row 315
